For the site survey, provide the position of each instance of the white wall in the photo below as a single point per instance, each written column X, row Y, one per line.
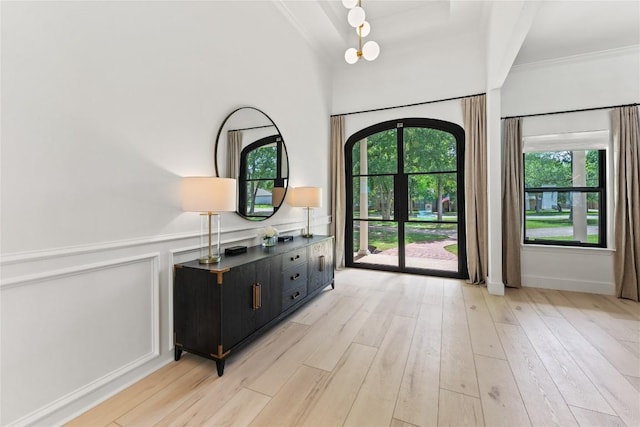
column 105, row 106
column 603, row 79
column 439, row 69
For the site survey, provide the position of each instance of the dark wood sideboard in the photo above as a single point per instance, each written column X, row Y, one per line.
column 219, row 308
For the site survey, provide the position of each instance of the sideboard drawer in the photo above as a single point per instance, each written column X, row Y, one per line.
column 294, row 295
column 293, row 277
column 294, row 258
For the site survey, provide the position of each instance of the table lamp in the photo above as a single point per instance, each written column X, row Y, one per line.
column 308, row 198
column 209, row 196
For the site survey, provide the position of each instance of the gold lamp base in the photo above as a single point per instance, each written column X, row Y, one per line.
column 210, row 260
column 307, row 233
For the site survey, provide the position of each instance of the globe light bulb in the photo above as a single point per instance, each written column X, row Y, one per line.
column 356, row 16
column 370, row 50
column 351, row 56
column 364, row 29
column 349, row 3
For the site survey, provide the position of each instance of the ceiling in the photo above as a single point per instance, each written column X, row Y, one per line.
column 559, row 28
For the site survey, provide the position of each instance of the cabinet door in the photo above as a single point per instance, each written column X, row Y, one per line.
column 237, row 308
column 270, row 291
column 196, row 309
column 320, row 264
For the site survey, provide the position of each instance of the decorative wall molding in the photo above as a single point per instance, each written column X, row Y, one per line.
column 154, row 260
column 78, row 269
column 44, row 254
column 53, row 253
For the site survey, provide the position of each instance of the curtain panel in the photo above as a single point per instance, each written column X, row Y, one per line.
column 475, row 186
column 512, row 196
column 626, row 258
column 234, row 149
column 338, row 189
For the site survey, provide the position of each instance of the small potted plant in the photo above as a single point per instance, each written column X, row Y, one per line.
column 269, row 236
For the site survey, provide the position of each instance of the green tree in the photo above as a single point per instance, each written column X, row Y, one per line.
column 429, row 150
column 382, row 163
column 555, row 169
column 428, row 155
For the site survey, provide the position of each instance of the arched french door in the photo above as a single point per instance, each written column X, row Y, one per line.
column 405, row 198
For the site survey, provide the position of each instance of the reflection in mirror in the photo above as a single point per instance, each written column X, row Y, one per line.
column 263, row 181
column 249, row 147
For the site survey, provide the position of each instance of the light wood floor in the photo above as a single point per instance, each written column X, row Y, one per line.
column 386, row 349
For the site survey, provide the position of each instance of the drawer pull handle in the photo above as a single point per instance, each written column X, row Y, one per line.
column 296, row 277
column 295, row 257
column 322, row 263
column 296, row 295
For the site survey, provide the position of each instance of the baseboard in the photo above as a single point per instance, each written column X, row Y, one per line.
column 495, row 288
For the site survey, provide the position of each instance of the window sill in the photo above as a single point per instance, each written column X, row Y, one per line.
column 532, row 247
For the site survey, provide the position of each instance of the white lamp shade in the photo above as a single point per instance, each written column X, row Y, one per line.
column 306, row 197
column 349, row 3
column 370, row 50
column 351, row 56
column 356, row 16
column 208, row 194
column 364, row 29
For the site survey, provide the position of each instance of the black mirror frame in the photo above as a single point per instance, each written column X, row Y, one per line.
column 215, row 156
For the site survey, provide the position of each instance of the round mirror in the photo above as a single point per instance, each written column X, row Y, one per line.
column 250, row 148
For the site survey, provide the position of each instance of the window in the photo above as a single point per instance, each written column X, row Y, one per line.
column 565, row 194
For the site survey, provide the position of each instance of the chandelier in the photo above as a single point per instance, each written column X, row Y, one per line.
column 356, row 18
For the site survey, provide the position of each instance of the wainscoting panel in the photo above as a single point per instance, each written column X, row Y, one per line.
column 568, row 269
column 67, row 332
column 80, row 324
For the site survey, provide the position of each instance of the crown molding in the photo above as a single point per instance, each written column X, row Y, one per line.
column 583, row 57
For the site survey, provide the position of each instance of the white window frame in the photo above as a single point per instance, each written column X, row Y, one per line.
column 589, row 140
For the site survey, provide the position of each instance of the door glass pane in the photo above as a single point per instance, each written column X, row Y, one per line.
column 552, row 216
column 375, row 242
column 431, row 246
column 433, row 197
column 373, row 197
column 376, row 154
column 429, row 150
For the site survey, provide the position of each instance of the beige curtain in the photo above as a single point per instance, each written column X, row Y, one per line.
column 512, row 202
column 475, row 186
column 626, row 134
column 338, row 201
column 234, row 148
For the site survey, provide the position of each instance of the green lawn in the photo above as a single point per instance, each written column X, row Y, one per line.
column 383, row 238
column 452, row 248
column 553, row 223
